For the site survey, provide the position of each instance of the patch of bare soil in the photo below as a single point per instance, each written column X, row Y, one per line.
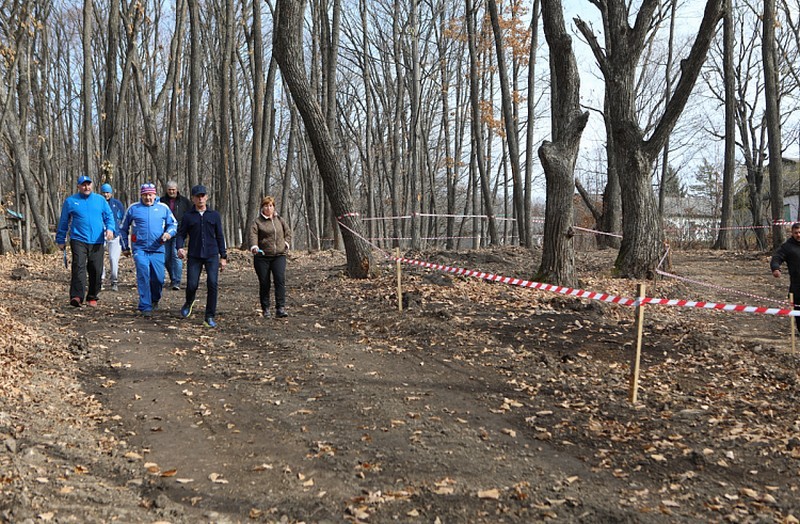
column 480, row 402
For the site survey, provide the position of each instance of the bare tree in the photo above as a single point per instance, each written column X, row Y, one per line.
column 634, row 154
column 558, row 157
column 728, row 29
column 86, row 87
column 771, row 97
column 510, row 126
column 288, row 52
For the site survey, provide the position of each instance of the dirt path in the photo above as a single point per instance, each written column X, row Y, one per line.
column 479, row 403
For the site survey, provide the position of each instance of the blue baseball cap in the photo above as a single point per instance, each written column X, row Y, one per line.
column 106, row 188
column 199, row 190
column 83, row 179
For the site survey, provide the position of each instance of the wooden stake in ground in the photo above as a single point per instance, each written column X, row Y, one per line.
column 634, row 385
column 792, row 323
column 399, row 285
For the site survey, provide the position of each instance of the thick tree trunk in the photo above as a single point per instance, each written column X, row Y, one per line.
column 633, row 156
column 773, row 122
column 724, row 235
column 289, row 54
column 257, row 66
column 558, row 157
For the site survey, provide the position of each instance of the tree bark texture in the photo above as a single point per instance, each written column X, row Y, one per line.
column 634, row 155
column 289, row 54
column 559, row 155
column 773, row 122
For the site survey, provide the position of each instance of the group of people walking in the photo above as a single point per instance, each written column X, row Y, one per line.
column 160, row 234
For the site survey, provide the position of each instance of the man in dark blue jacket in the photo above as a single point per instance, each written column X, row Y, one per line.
column 789, row 252
column 206, row 250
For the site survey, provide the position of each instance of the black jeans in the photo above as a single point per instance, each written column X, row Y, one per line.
column 86, row 259
column 276, row 266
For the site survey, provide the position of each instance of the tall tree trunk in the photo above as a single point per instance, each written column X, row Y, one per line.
column 22, row 167
column 559, row 156
column 257, row 66
column 195, row 94
column 226, row 92
column 531, row 123
column 477, row 122
column 773, row 122
column 86, row 88
column 415, row 138
column 724, row 235
column 512, row 140
column 288, row 52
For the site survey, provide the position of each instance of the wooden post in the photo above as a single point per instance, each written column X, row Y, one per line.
column 792, row 324
column 399, row 282
column 634, row 383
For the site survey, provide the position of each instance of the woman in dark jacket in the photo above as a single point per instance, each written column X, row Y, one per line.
column 269, row 242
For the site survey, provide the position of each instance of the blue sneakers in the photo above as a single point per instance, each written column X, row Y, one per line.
column 210, row 322
column 186, row 310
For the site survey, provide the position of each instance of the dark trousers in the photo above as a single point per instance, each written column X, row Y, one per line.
column 87, row 259
column 194, row 266
column 275, row 266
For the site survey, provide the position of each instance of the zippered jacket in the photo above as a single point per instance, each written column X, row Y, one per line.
column 204, row 232
column 118, row 210
column 146, row 225
column 86, row 218
column 271, row 235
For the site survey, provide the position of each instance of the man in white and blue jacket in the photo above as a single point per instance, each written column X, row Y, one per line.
column 152, row 224
column 88, row 219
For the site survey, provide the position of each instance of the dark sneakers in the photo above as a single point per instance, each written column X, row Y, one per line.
column 210, row 322
column 265, row 312
column 281, row 313
column 186, row 310
column 75, row 302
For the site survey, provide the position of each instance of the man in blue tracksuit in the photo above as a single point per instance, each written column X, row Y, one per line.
column 153, row 224
column 88, row 219
column 207, row 249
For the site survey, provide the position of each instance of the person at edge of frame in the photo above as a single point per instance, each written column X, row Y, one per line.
column 789, row 252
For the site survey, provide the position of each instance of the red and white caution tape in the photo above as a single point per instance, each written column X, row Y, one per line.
column 720, row 288
column 603, row 297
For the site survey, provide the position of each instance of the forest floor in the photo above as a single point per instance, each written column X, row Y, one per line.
column 480, row 402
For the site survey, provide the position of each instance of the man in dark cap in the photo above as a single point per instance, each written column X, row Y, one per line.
column 203, row 226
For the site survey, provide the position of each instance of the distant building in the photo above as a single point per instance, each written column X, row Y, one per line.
column 690, row 218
